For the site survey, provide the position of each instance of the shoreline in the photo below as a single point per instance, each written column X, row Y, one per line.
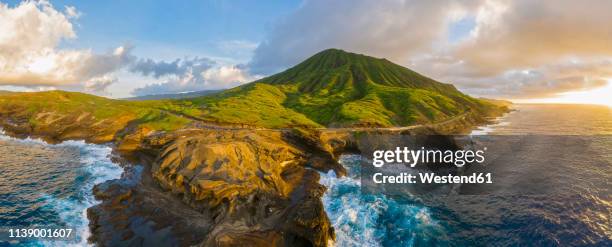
column 489, row 127
column 142, row 200
column 91, row 162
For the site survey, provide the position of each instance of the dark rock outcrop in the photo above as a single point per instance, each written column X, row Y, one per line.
column 209, row 187
column 253, row 184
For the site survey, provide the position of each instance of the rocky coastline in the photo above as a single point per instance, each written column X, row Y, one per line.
column 215, row 187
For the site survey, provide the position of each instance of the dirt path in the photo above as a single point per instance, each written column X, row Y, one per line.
column 206, row 124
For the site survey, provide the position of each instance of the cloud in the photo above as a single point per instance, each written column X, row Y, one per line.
column 546, row 80
column 99, row 84
column 527, row 49
column 177, row 67
column 531, row 33
column 226, row 76
column 516, row 48
column 239, row 48
column 188, row 74
column 493, row 48
column 72, row 12
column 30, row 34
column 393, row 29
column 195, row 77
column 30, row 56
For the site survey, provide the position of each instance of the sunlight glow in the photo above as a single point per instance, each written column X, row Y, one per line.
column 597, row 96
column 42, row 65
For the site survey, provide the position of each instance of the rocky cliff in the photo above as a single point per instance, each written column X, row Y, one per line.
column 253, row 185
column 209, row 186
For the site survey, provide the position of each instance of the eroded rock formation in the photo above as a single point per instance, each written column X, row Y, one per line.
column 208, row 187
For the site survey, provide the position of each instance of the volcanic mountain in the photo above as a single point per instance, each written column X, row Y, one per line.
column 333, row 88
column 208, row 179
column 336, row 88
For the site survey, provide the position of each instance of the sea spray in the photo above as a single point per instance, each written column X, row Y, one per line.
column 488, row 129
column 578, row 216
column 374, row 220
column 94, row 167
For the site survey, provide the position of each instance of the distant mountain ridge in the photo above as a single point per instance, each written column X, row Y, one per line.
column 174, row 95
column 4, row 92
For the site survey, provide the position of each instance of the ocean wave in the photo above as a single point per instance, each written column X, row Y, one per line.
column 374, row 220
column 488, row 129
column 27, row 140
column 95, row 167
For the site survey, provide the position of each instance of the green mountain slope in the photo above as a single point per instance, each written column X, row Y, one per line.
column 69, row 114
column 338, row 88
column 331, row 89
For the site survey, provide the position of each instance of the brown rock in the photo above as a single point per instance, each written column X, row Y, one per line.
column 254, row 183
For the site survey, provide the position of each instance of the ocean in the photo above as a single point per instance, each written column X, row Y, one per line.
column 579, row 216
column 51, row 185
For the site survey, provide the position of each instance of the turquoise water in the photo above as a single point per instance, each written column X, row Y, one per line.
column 376, row 220
column 51, row 185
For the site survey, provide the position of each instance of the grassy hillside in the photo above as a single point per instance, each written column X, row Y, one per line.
column 255, row 104
column 338, row 88
column 332, row 88
column 71, row 113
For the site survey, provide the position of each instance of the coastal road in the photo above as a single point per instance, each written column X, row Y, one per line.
column 206, row 124
column 398, row 129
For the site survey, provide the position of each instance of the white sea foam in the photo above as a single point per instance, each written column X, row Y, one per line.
column 372, row 220
column 96, row 167
column 488, row 129
column 28, row 140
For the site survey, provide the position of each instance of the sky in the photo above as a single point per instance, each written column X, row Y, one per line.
column 527, row 51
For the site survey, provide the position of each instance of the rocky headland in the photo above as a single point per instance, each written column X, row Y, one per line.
column 241, row 166
column 215, row 187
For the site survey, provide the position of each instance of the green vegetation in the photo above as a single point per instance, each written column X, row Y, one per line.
column 332, row 88
column 337, row 88
column 254, row 104
column 59, row 106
